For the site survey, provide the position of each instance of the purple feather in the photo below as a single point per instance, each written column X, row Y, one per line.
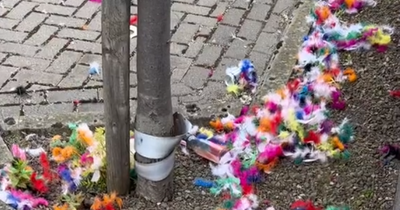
column 327, row 126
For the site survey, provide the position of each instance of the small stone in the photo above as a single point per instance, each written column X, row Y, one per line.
column 31, row 137
column 10, row 121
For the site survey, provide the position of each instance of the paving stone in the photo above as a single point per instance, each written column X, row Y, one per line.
column 197, row 24
column 207, row 3
column 7, row 23
column 179, row 67
column 50, row 109
column 24, row 76
column 250, row 30
column 132, row 63
column 238, row 49
column 175, row 19
column 75, row 3
column 87, row 47
column 76, row 77
column 95, row 23
column 94, row 83
column 13, row 83
column 133, row 45
column 185, row 1
column 6, row 72
column 43, row 1
column 88, row 10
column 259, row 60
column 52, row 48
column 35, row 64
column 196, row 19
column 180, row 89
column 204, row 31
column 13, row 36
column 209, row 55
column 215, row 89
column 65, row 21
column 2, row 56
column 233, row 16
column 78, row 34
column 178, row 49
column 264, row 2
column 21, row 10
column 134, row 10
column 219, row 72
column 9, row 3
column 241, row 4
column 283, row 6
column 42, row 35
column 18, row 48
column 190, row 9
column 196, row 77
column 3, row 11
column 10, row 99
column 55, row 9
column 259, row 12
column 133, row 79
column 220, row 9
column 90, row 58
column 10, row 111
column 266, row 43
column 273, row 24
column 185, row 33
column 31, row 22
column 64, row 62
column 71, row 95
column 223, row 35
column 195, row 47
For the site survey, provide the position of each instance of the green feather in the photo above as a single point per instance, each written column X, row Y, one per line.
column 345, row 155
column 298, row 160
column 346, row 133
column 228, row 204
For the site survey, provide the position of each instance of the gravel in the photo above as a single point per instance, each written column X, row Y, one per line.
column 361, row 182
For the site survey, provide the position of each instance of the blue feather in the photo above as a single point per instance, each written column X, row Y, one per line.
column 300, row 115
column 66, row 175
column 201, row 136
column 203, row 183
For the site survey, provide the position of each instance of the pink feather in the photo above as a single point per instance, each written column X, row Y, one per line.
column 271, row 152
column 239, row 120
column 244, row 111
column 35, row 202
column 271, row 106
column 236, row 167
column 17, row 152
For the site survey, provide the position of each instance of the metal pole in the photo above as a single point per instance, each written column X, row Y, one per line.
column 115, row 55
column 154, row 110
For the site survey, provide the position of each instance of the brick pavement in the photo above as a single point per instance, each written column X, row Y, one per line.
column 51, row 44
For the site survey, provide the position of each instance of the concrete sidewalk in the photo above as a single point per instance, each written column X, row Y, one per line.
column 52, row 43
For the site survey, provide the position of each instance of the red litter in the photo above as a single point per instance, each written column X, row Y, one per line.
column 395, row 93
column 220, row 18
column 133, row 20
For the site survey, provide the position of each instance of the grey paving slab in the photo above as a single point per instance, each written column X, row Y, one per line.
column 46, row 43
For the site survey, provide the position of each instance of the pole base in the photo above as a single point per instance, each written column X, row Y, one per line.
column 161, row 191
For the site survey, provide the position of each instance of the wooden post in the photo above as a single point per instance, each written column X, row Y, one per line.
column 115, row 48
column 154, row 110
